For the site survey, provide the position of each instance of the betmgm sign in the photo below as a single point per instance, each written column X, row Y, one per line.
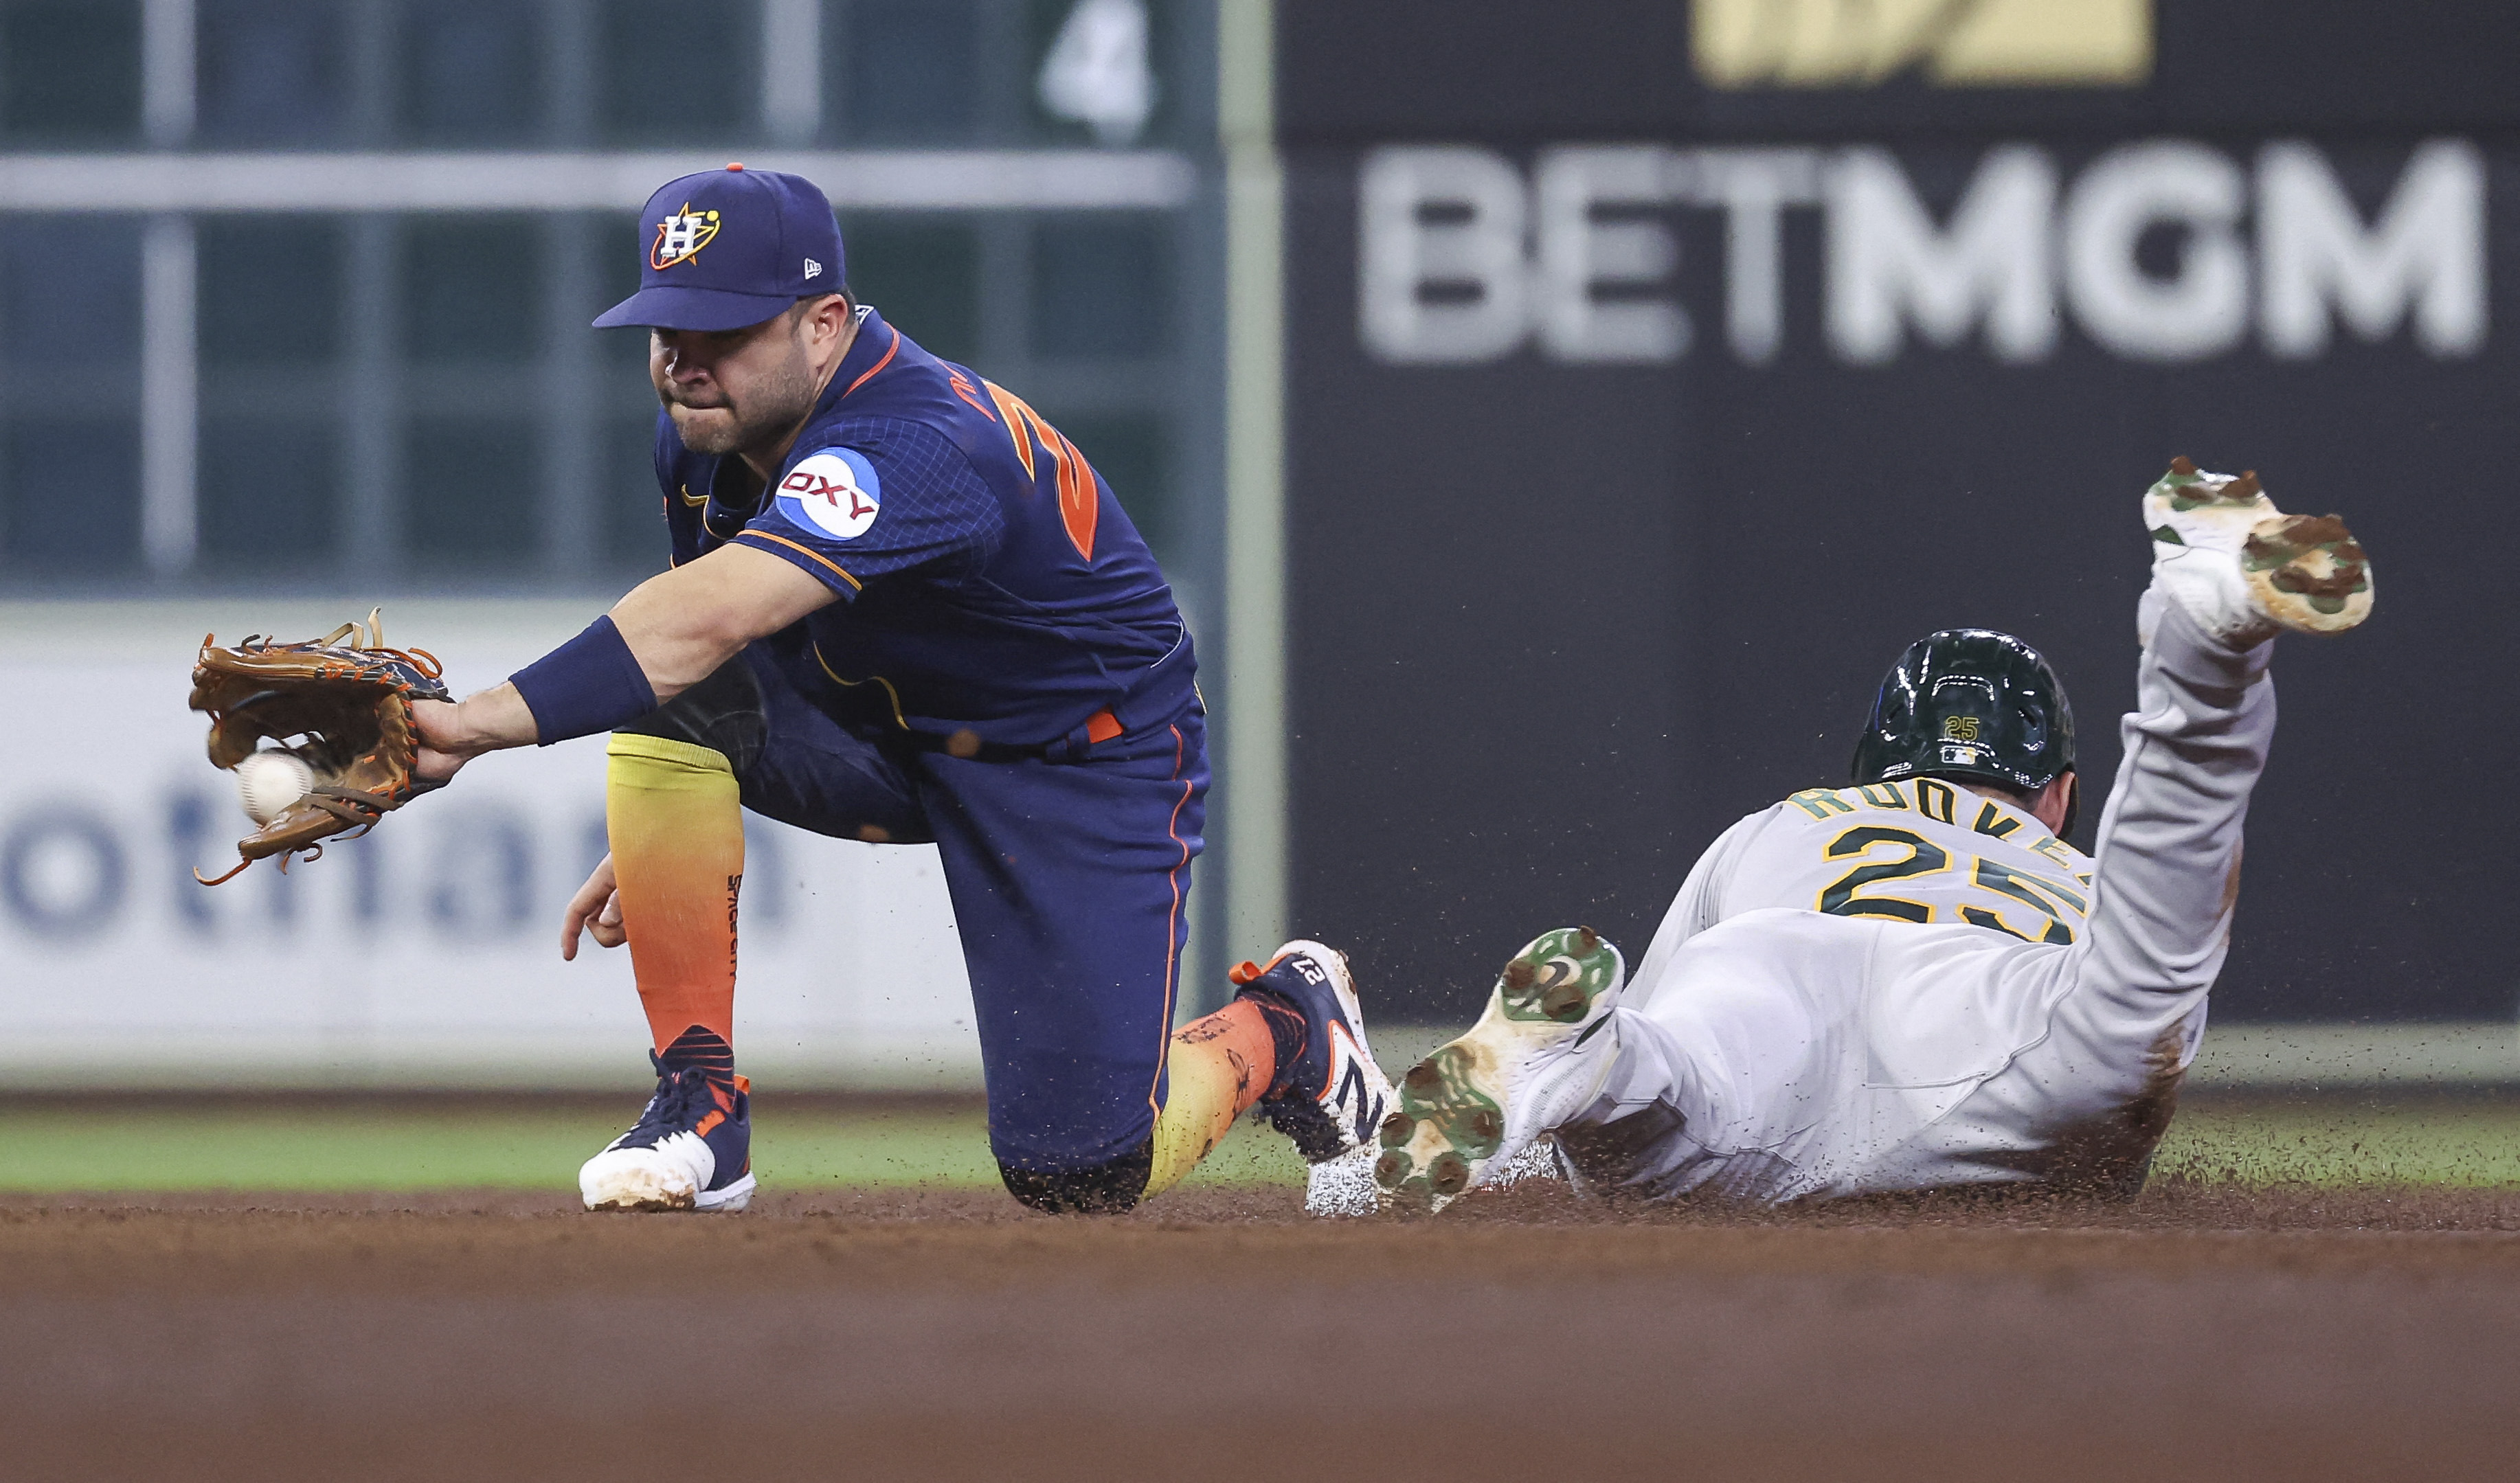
column 1465, row 257
column 1657, row 371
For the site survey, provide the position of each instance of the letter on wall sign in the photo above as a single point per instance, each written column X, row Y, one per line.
column 1442, row 277
column 2426, row 252
column 1577, row 253
column 1889, row 266
column 2201, row 310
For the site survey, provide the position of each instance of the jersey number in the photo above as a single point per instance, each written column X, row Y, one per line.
column 1079, row 497
column 2021, row 885
column 1923, row 858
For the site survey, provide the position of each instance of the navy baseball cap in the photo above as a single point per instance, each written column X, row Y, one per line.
column 725, row 249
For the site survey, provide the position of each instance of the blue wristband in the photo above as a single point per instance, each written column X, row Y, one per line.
column 590, row 684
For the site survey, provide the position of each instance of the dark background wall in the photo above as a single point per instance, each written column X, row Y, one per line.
column 1556, row 624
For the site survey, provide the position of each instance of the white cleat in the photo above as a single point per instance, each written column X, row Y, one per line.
column 1473, row 1113
column 673, row 1174
column 677, row 1156
column 2244, row 569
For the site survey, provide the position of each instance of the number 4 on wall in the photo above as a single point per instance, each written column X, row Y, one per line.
column 1097, row 72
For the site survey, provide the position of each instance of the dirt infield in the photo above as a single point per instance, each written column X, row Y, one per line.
column 2205, row 1331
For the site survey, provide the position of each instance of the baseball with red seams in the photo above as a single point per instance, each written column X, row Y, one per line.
column 271, row 781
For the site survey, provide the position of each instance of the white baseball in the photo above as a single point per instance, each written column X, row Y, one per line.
column 271, row 781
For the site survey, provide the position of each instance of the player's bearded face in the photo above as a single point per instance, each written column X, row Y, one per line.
column 734, row 389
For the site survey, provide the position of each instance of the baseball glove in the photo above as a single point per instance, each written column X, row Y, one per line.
column 351, row 704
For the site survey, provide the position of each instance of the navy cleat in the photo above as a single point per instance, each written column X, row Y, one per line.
column 1333, row 1096
column 692, row 1147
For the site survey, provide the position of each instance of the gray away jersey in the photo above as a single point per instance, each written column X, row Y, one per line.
column 1910, row 986
column 1923, row 850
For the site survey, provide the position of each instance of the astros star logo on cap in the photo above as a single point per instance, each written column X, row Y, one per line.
column 772, row 240
column 681, row 236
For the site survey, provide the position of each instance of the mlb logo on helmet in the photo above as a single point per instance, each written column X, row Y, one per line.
column 770, row 241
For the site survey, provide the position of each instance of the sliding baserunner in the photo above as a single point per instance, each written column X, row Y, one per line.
column 1914, row 982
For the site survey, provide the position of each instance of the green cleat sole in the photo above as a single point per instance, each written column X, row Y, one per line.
column 1450, row 1121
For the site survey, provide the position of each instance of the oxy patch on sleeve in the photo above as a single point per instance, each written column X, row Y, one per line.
column 834, row 491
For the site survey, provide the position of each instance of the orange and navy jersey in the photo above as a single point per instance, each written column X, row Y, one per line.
column 988, row 579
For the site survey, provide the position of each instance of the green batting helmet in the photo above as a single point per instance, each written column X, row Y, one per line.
column 1969, row 703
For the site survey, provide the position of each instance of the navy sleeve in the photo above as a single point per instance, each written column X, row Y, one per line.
column 877, row 496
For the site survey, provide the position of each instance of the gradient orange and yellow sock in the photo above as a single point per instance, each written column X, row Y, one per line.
column 674, row 813
column 675, row 816
column 1219, row 1066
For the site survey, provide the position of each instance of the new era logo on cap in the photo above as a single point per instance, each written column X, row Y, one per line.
column 770, row 239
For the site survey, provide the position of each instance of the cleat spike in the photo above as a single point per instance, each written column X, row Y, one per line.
column 1467, row 1112
column 2244, row 570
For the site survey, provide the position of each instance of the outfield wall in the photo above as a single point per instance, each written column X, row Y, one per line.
column 1656, row 373
column 424, row 955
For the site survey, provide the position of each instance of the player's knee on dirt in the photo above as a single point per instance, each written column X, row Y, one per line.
column 1107, row 1189
column 722, row 712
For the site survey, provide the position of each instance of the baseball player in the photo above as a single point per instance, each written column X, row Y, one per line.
column 1914, row 982
column 903, row 608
